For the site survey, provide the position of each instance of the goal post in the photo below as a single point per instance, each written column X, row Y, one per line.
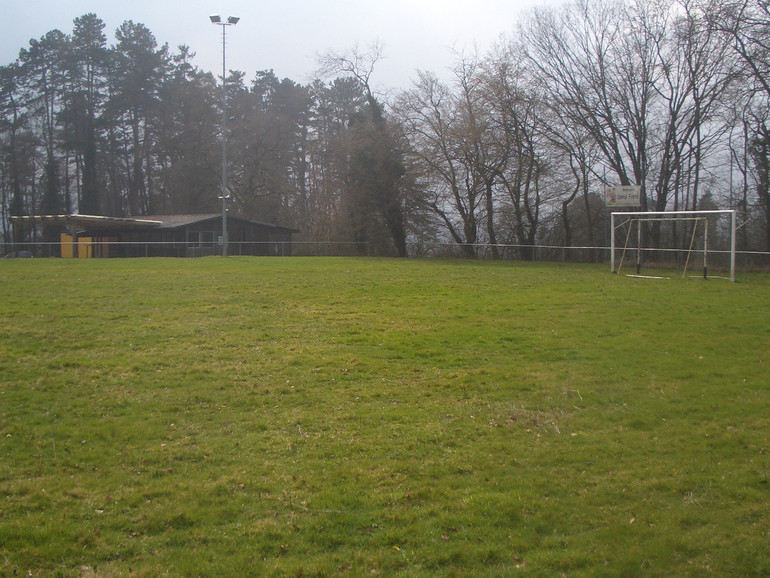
column 620, row 219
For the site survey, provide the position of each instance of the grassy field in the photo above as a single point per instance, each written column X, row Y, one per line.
column 325, row 417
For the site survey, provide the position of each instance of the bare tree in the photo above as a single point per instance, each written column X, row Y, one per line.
column 746, row 23
column 644, row 80
column 485, row 148
column 434, row 122
column 521, row 160
column 578, row 54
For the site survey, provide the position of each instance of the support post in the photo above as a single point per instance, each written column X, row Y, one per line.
column 612, row 242
column 638, row 247
column 732, row 245
column 705, row 246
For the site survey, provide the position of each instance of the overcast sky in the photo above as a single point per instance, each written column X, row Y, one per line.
column 286, row 35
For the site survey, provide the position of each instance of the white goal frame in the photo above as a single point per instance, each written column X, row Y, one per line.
column 675, row 216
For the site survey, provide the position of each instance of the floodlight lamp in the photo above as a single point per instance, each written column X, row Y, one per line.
column 215, row 18
column 232, row 19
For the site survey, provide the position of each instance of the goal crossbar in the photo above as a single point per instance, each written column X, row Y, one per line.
column 671, row 216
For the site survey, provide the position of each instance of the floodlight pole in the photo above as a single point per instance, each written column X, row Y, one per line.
column 231, row 21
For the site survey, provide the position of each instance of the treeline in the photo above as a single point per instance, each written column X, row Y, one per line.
column 516, row 150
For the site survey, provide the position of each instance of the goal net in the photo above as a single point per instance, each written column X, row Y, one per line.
column 697, row 243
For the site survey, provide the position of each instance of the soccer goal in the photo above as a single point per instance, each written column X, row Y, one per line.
column 674, row 240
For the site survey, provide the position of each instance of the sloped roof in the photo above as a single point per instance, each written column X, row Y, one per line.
column 89, row 221
column 175, row 221
column 144, row 222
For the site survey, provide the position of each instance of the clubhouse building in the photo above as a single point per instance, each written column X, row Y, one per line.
column 88, row 236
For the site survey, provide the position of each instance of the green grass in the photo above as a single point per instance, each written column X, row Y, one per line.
column 324, row 417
